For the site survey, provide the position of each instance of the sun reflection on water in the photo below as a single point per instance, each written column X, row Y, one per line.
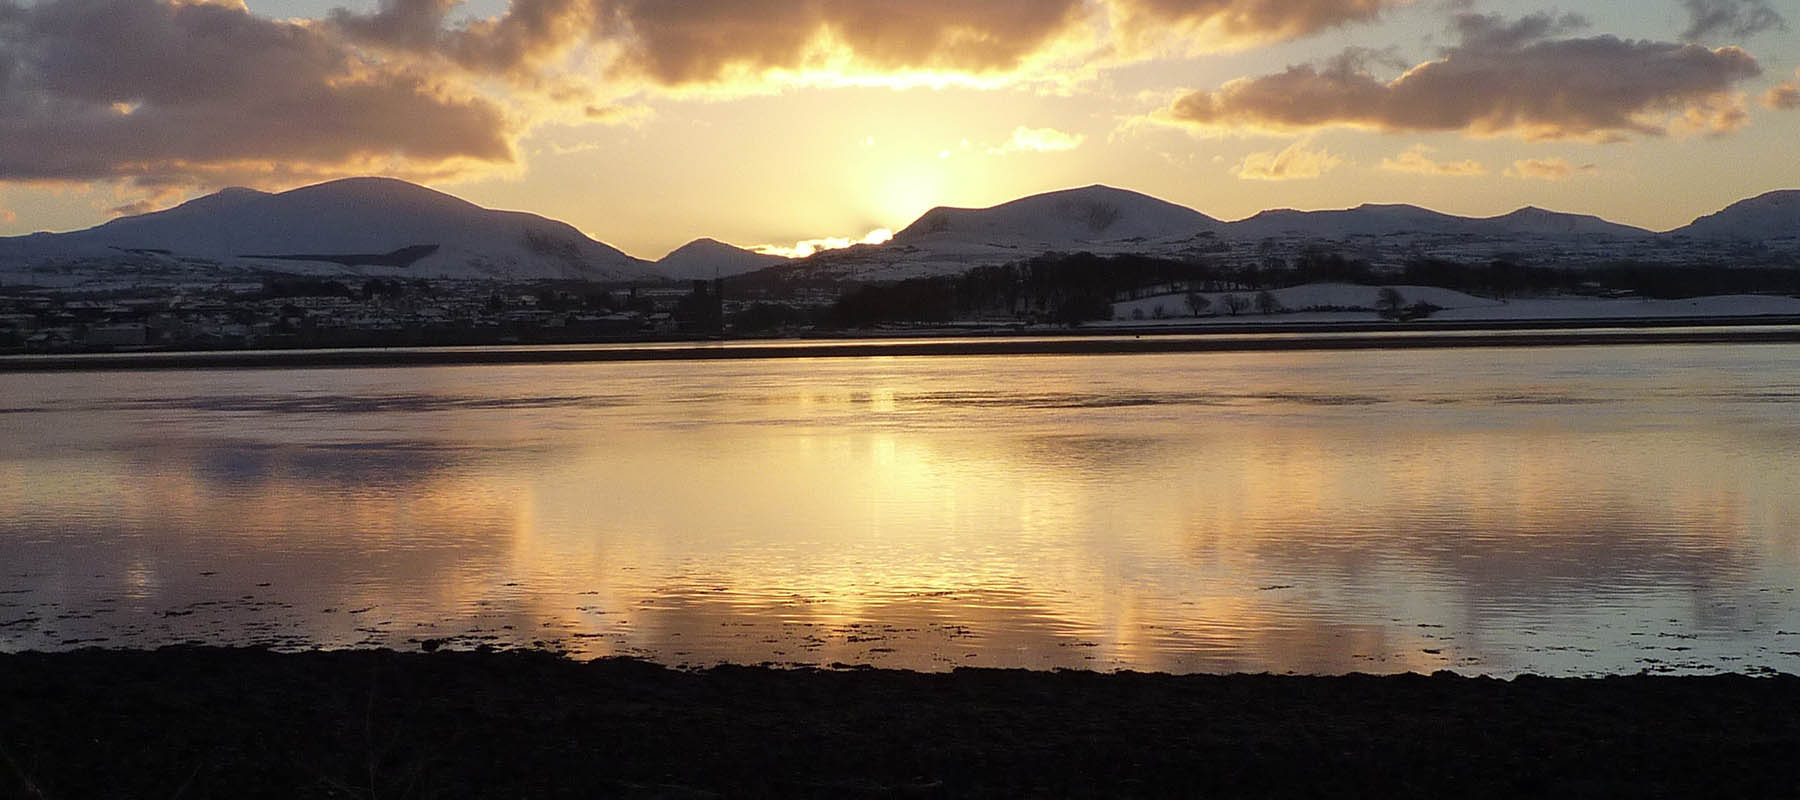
column 1498, row 511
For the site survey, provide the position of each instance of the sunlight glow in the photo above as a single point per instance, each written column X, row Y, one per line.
column 802, row 249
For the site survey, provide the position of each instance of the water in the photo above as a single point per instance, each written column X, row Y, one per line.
column 1563, row 511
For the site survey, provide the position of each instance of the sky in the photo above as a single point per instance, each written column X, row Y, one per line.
column 793, row 124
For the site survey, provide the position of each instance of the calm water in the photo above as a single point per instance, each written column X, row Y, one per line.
column 1566, row 511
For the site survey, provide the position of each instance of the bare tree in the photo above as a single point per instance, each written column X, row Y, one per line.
column 1197, row 303
column 1266, row 302
column 1234, row 304
column 1389, row 302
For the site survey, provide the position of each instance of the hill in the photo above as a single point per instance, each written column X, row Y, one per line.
column 1107, row 221
column 708, row 258
column 1061, row 219
column 1775, row 215
column 360, row 226
column 1401, row 220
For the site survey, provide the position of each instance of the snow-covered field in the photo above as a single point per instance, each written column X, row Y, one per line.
column 1357, row 303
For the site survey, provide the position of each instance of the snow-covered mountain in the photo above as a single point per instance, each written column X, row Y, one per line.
column 947, row 240
column 1090, row 214
column 385, row 227
column 710, row 258
column 357, row 226
column 1775, row 215
column 1105, row 220
column 1390, row 220
column 1536, row 221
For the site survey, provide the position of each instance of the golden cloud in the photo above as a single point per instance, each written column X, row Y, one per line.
column 1417, row 160
column 1229, row 24
column 1039, row 140
column 724, row 41
column 1294, row 162
column 1784, row 96
column 1548, row 169
column 705, row 43
column 1500, row 80
column 807, row 247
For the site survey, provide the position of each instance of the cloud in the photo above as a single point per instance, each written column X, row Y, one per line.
column 1548, row 169
column 713, row 41
column 1714, row 116
column 1417, row 160
column 618, row 114
column 1039, row 140
column 807, row 247
column 108, row 89
column 1784, row 96
column 707, row 43
column 1294, row 162
column 1499, row 80
column 1491, row 32
column 1732, row 20
column 1229, row 24
column 134, row 208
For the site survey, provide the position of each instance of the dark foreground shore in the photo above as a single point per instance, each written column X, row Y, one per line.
column 203, row 722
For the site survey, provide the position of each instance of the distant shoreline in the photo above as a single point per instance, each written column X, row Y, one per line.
column 1096, row 340
column 216, row 722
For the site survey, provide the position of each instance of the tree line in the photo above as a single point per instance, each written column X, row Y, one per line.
column 1071, row 288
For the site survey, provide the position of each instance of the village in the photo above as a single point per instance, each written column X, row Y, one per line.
column 284, row 312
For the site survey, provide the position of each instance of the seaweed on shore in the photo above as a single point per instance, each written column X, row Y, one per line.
column 213, row 722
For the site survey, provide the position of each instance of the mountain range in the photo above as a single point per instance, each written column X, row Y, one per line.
column 386, row 227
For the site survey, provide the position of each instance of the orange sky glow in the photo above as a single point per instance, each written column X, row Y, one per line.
column 795, row 125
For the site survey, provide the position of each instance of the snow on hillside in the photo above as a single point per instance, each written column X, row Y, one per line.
column 1298, row 298
column 1313, row 303
column 383, row 227
column 333, row 228
column 710, row 258
column 1775, row 215
column 1540, row 222
column 1393, row 220
column 1736, row 305
column 1060, row 220
column 1364, row 220
column 1108, row 221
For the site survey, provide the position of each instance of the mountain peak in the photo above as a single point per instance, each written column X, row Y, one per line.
column 704, row 244
column 387, row 192
column 1772, row 215
column 1062, row 218
column 707, row 257
column 338, row 226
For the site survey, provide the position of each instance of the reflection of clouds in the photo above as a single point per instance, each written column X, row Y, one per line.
column 294, row 468
column 346, row 404
column 199, row 539
column 1040, row 400
column 944, row 629
column 1313, row 512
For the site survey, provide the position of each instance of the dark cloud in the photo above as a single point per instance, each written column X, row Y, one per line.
column 175, row 93
column 707, row 41
column 94, row 89
column 1494, row 32
column 1501, row 79
column 516, row 43
column 715, row 41
column 698, row 42
column 1731, row 20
